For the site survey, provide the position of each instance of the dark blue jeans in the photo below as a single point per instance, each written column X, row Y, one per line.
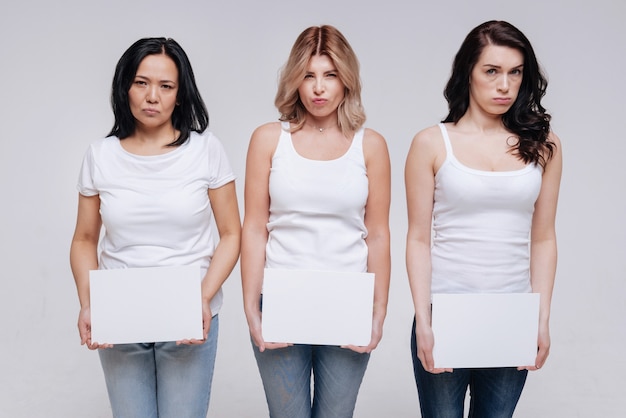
column 494, row 392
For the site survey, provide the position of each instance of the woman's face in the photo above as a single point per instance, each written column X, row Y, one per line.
column 321, row 90
column 152, row 95
column 496, row 79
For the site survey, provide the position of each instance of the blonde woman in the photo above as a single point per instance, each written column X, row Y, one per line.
column 317, row 197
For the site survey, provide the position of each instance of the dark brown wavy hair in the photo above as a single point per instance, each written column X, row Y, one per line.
column 526, row 118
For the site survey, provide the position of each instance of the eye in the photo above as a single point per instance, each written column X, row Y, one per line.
column 331, row 75
column 139, row 82
column 490, row 71
column 167, row 86
column 308, row 76
column 516, row 71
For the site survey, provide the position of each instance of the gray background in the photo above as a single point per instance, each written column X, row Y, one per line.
column 57, row 61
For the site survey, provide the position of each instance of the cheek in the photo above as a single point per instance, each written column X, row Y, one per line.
column 516, row 88
column 340, row 90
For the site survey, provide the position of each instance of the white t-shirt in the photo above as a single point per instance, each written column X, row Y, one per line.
column 155, row 209
column 317, row 209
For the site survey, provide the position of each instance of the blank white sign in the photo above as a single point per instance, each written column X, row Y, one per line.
column 485, row 330
column 317, row 307
column 152, row 304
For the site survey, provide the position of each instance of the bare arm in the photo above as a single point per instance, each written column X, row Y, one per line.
column 226, row 212
column 543, row 249
column 254, row 234
column 377, row 223
column 84, row 257
column 419, row 174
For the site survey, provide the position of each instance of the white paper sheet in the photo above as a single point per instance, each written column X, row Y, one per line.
column 485, row 330
column 317, row 307
column 146, row 304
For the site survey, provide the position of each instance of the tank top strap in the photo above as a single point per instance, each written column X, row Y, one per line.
column 284, row 140
column 357, row 140
column 285, row 131
column 446, row 140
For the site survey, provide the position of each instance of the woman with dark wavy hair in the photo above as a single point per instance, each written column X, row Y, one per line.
column 157, row 183
column 482, row 190
column 317, row 198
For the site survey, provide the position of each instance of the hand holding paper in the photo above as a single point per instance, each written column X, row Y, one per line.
column 485, row 330
column 146, row 305
column 317, row 307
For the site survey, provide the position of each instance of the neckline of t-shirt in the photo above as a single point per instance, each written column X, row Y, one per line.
column 157, row 157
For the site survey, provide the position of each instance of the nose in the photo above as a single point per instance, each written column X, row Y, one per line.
column 503, row 84
column 152, row 95
column 318, row 85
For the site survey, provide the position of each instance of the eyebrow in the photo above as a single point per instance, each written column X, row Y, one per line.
column 499, row 66
column 325, row 72
column 148, row 78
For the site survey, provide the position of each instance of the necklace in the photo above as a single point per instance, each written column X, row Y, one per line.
column 318, row 128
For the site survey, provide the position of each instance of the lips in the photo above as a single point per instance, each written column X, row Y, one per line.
column 319, row 101
column 151, row 111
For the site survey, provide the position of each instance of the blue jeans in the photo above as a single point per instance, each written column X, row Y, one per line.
column 286, row 374
column 494, row 392
column 160, row 380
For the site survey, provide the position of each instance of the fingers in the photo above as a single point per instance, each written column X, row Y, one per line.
column 426, row 357
column 190, row 342
column 274, row 346
column 96, row 345
column 358, row 348
column 540, row 360
column 363, row 348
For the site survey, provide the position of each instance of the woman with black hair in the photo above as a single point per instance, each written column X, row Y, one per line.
column 482, row 190
column 156, row 184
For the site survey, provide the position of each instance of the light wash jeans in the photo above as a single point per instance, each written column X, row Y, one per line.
column 160, row 380
column 286, row 374
column 494, row 392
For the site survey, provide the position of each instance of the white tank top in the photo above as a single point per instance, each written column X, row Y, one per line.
column 317, row 209
column 481, row 227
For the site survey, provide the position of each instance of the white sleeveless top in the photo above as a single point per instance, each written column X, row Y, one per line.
column 317, row 209
column 481, row 227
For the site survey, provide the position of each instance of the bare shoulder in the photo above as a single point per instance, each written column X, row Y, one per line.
column 552, row 137
column 267, row 130
column 427, row 150
column 373, row 141
column 555, row 162
column 428, row 138
column 265, row 137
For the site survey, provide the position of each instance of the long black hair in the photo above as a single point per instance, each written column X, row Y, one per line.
column 190, row 113
column 526, row 118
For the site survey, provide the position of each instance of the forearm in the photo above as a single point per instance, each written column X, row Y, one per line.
column 379, row 263
column 252, row 267
column 419, row 271
column 222, row 263
column 543, row 260
column 83, row 258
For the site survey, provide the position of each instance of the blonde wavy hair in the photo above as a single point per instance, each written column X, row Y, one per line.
column 321, row 40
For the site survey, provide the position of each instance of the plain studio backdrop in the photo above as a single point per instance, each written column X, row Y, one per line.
column 57, row 62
